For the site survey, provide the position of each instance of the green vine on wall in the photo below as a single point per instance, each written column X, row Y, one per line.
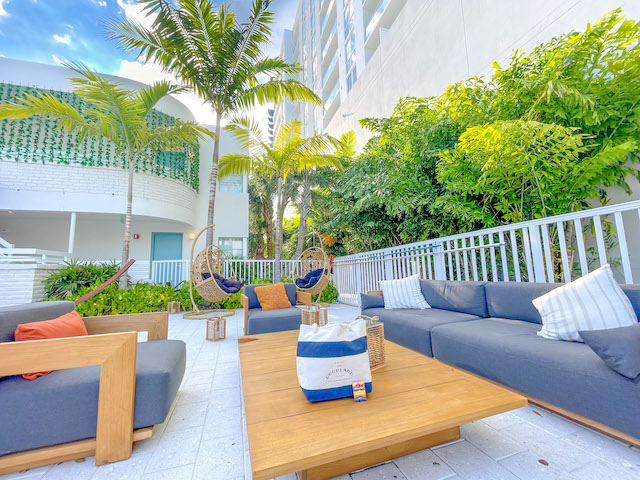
column 37, row 140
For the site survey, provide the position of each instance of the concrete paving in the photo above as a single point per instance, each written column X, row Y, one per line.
column 204, row 437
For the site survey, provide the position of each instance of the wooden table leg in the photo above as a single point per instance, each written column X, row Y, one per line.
column 374, row 457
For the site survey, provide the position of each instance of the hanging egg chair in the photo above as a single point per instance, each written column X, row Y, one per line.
column 313, row 269
column 207, row 277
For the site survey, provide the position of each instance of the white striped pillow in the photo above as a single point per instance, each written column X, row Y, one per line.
column 403, row 293
column 593, row 302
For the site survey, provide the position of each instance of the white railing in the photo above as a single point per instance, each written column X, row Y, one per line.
column 247, row 271
column 32, row 255
column 552, row 249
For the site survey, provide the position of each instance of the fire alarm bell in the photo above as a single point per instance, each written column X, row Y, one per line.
column 136, row 236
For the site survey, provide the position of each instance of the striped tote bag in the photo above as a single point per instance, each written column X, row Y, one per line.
column 592, row 302
column 331, row 358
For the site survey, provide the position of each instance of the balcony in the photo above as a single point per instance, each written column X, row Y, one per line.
column 383, row 17
column 331, row 71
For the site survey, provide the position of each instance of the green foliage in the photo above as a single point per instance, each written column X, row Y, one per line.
column 143, row 297
column 523, row 170
column 542, row 137
column 329, row 294
column 75, row 276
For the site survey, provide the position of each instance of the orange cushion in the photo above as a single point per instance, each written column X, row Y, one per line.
column 272, row 297
column 68, row 325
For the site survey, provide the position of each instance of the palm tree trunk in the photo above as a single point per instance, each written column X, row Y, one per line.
column 122, row 284
column 305, row 208
column 267, row 214
column 213, row 186
column 279, row 218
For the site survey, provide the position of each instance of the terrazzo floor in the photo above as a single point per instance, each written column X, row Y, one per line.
column 204, row 437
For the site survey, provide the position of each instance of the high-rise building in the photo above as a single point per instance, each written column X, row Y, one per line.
column 270, row 123
column 332, row 40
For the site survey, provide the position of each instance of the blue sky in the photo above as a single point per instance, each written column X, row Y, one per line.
column 54, row 31
column 45, row 30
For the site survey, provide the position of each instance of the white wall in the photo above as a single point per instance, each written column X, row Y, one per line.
column 67, row 188
column 37, row 193
column 434, row 43
column 23, row 283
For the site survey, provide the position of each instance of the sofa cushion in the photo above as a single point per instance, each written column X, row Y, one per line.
column 67, row 325
column 11, row 317
column 619, row 348
column 249, row 291
column 272, row 297
column 566, row 374
column 514, row 299
column 591, row 302
column 411, row 327
column 371, row 301
column 261, row 321
column 66, row 401
column 465, row 297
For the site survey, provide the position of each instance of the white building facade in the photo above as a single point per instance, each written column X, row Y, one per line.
column 362, row 56
column 59, row 196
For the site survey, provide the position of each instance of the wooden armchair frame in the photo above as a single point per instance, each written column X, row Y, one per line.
column 112, row 344
column 301, row 297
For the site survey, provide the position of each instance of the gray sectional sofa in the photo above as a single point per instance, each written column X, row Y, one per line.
column 62, row 407
column 490, row 329
column 257, row 321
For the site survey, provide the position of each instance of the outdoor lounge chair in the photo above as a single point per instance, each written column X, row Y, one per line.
column 106, row 391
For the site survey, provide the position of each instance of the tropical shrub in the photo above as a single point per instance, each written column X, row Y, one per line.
column 75, row 276
column 143, row 297
column 329, row 294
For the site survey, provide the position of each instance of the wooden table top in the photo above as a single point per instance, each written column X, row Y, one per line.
column 413, row 395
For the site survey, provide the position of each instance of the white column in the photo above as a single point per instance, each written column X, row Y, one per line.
column 72, row 233
column 245, row 247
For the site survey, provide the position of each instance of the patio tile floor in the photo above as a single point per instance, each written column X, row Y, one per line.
column 204, row 437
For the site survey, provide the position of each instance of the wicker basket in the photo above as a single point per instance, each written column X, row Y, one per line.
column 216, row 329
column 375, row 341
column 311, row 315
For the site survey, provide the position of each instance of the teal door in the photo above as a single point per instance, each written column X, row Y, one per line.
column 166, row 250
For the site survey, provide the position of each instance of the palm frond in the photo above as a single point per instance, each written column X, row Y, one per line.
column 274, row 91
column 235, row 164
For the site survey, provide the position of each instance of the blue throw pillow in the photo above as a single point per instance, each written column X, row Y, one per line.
column 300, row 283
column 618, row 347
column 313, row 281
column 311, row 274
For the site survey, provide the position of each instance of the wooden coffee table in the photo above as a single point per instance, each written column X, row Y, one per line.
column 417, row 402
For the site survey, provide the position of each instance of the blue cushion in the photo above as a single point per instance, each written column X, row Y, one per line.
column 371, row 301
column 313, row 273
column 300, row 283
column 63, row 406
column 411, row 328
column 618, row 347
column 566, row 374
column 464, row 297
column 513, row 299
column 277, row 320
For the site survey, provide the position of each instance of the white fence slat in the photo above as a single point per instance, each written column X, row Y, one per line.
column 503, row 257
column 624, row 251
column 582, row 254
column 547, row 254
column 483, row 260
column 602, row 250
column 514, row 253
column 564, row 255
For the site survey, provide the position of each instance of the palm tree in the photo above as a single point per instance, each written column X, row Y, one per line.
column 216, row 56
column 311, row 177
column 118, row 114
column 291, row 152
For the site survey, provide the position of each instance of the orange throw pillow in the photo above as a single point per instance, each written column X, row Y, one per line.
column 272, row 297
column 68, row 325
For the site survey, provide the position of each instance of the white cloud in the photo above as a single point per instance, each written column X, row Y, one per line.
column 66, row 38
column 134, row 11
column 100, row 3
column 56, row 59
column 2, row 10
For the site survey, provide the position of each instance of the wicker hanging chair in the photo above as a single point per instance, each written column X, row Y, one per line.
column 313, row 260
column 208, row 275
